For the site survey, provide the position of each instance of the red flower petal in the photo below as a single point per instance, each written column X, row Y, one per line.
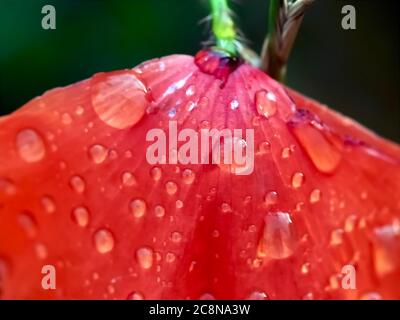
column 77, row 192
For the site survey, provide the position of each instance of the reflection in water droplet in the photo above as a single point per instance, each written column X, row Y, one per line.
column 271, row 198
column 48, row 204
column 144, row 257
column 135, row 296
column 188, row 176
column 30, row 146
column 156, row 173
column 258, row 295
column 265, row 103
column 297, row 180
column 104, row 241
column 234, row 104
column 119, row 99
column 315, row 196
column 98, row 153
column 80, row 216
column 77, row 184
column 264, row 147
column 138, row 208
column 171, row 187
column 277, row 240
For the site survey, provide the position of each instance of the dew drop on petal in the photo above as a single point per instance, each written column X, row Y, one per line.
column 315, row 196
column 103, row 241
column 206, row 296
column 119, row 100
column 170, row 257
column 159, row 211
column 66, row 119
column 77, row 184
column 305, row 268
column 135, row 296
column 138, row 208
column 265, row 103
column 297, row 180
column 171, row 187
column 264, row 147
column 225, row 207
column 190, row 91
column 336, row 237
column 28, row 224
column 48, row 204
column 277, row 240
column 128, row 179
column 271, row 198
column 371, row 296
column 98, row 153
column 144, row 256
column 234, row 104
column 156, row 173
column 7, row 187
column 176, row 237
column 80, row 215
column 188, row 176
column 258, row 295
column 30, row 146
column 41, row 251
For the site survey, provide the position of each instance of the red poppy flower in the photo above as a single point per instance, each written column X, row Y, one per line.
column 77, row 192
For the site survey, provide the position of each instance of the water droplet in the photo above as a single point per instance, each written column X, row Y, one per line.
column 271, row 198
column 156, row 173
column 234, row 104
column 188, row 176
column 170, row 257
column 79, row 110
column 77, row 184
column 176, row 237
column 350, row 223
column 104, row 241
column 286, row 153
column 305, row 268
column 265, row 103
column 28, row 224
column 138, row 208
column 215, row 234
column 225, row 208
column 30, row 146
column 66, row 119
column 135, row 296
column 315, row 196
column 179, row 204
column 172, row 113
column 386, row 249
column 314, row 140
column 41, row 251
column 264, row 147
column 128, row 179
column 119, row 99
column 277, row 240
column 7, row 187
column 308, row 296
column 48, row 204
column 336, row 237
column 144, row 256
column 258, row 295
column 297, row 180
column 190, row 91
column 371, row 296
column 206, row 296
column 171, row 187
column 159, row 211
column 98, row 153
column 80, row 215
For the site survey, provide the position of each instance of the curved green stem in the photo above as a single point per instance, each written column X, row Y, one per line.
column 223, row 26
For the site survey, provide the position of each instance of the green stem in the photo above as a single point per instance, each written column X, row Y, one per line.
column 223, row 26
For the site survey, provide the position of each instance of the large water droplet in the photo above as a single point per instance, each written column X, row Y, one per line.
column 104, row 241
column 119, row 99
column 159, row 211
column 98, row 153
column 77, row 184
column 265, row 103
column 314, row 139
column 138, row 208
column 144, row 256
column 277, row 240
column 80, row 216
column 30, row 146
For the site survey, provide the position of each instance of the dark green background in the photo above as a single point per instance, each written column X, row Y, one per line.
column 355, row 72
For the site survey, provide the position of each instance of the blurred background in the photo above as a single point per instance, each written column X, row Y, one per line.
column 353, row 71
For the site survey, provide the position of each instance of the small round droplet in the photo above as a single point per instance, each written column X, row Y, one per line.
column 41, row 251
column 77, row 184
column 297, row 180
column 305, row 268
column 207, row 296
column 30, row 146
column 66, row 119
column 170, row 257
column 258, row 295
column 104, row 241
column 159, row 211
column 234, row 104
column 80, row 215
column 138, row 208
column 179, row 204
column 135, row 296
column 119, row 99
column 265, row 103
column 98, row 153
column 336, row 237
column 225, row 208
column 128, row 179
column 156, row 173
column 315, row 196
column 271, row 198
column 188, row 176
column 176, row 237
column 144, row 257
column 190, row 91
column 171, row 187
column 48, row 204
column 264, row 147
